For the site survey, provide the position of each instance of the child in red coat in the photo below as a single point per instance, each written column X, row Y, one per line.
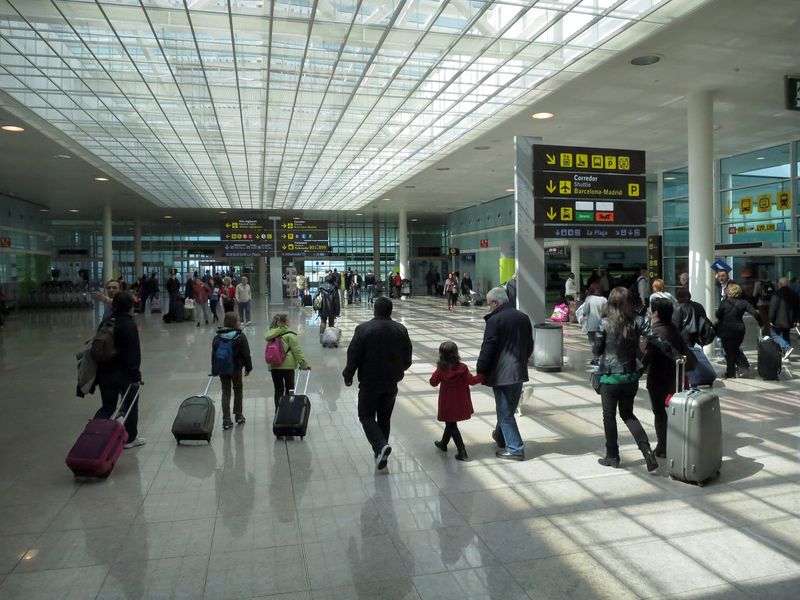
column 455, row 403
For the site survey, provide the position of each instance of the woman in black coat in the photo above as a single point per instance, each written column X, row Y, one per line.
column 730, row 329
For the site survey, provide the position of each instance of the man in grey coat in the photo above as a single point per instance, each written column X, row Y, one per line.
column 507, row 345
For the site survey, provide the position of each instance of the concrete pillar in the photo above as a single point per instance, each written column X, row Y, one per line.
column 376, row 247
column 138, row 269
column 700, row 120
column 108, row 255
column 262, row 276
column 402, row 243
column 575, row 263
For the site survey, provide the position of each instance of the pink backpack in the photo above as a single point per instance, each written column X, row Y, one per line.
column 560, row 313
column 274, row 354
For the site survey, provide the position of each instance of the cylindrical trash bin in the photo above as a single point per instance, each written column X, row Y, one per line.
column 548, row 347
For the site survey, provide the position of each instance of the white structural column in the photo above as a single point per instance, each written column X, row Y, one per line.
column 137, row 249
column 402, row 242
column 376, row 247
column 261, row 263
column 575, row 263
column 700, row 113
column 108, row 256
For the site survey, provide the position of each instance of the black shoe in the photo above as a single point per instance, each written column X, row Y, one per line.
column 609, row 461
column 650, row 459
column 240, row 419
column 494, row 437
column 506, row 455
column 660, row 452
column 462, row 454
column 383, row 457
column 441, row 446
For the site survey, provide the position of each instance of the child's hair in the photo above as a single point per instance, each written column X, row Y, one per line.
column 280, row 320
column 448, row 356
column 231, row 320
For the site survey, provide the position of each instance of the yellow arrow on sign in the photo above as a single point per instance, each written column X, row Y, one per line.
column 728, row 211
column 551, row 213
column 551, row 159
column 550, row 187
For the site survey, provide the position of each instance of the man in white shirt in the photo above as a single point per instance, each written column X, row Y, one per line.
column 243, row 296
column 570, row 290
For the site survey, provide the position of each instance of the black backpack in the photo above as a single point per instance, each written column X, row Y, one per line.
column 103, row 347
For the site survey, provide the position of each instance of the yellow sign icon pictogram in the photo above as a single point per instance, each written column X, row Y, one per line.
column 745, row 206
column 633, row 189
column 582, row 161
column 566, row 159
column 783, row 200
column 624, row 163
column 566, row 213
column 764, row 202
column 565, row 186
column 611, row 162
column 597, row 161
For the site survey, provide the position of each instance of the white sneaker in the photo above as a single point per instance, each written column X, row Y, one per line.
column 139, row 441
column 787, row 354
column 382, row 459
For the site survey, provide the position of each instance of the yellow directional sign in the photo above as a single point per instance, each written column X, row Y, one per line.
column 566, row 213
column 582, row 161
column 745, row 206
column 633, row 189
column 611, row 162
column 551, row 159
column 783, row 200
column 566, row 159
column 728, row 210
column 551, row 213
column 565, row 186
column 597, row 161
column 550, row 187
column 624, row 163
column 764, row 202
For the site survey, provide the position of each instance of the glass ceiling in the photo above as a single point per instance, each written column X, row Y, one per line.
column 296, row 103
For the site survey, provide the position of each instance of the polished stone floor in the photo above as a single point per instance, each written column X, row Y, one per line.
column 252, row 517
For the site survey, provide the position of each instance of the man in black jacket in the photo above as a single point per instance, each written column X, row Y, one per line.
column 784, row 313
column 381, row 352
column 688, row 317
column 507, row 345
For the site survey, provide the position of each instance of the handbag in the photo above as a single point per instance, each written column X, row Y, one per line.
column 595, row 380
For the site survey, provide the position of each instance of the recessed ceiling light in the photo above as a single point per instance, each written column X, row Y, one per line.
column 74, row 210
column 223, row 212
column 645, row 60
column 542, row 115
column 62, row 156
column 442, row 168
column 167, row 216
column 359, row 214
column 509, row 189
column 414, row 220
column 409, row 187
column 386, row 199
column 669, row 178
column 481, row 147
column 101, row 178
column 761, row 158
column 44, row 210
column 13, row 128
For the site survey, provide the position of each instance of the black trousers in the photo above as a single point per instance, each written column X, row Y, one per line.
column 109, row 394
column 732, row 346
column 375, row 414
column 283, row 379
column 658, row 397
column 451, row 431
column 622, row 396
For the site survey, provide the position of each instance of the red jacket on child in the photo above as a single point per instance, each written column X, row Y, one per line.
column 455, row 402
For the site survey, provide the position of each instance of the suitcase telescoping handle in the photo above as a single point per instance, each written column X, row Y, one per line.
column 297, row 381
column 120, row 417
column 208, row 385
column 680, row 373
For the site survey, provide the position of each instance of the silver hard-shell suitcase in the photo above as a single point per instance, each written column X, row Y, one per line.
column 694, row 432
column 195, row 418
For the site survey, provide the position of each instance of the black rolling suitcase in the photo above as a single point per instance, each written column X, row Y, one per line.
column 195, row 418
column 291, row 416
column 770, row 358
column 306, row 298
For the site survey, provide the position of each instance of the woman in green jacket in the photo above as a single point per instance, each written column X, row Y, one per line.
column 283, row 373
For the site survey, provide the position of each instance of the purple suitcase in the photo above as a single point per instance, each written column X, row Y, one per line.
column 98, row 448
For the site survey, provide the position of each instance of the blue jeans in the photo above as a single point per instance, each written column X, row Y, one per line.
column 370, row 291
column 244, row 311
column 506, row 399
column 782, row 337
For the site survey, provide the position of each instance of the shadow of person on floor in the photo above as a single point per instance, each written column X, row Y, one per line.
column 236, row 479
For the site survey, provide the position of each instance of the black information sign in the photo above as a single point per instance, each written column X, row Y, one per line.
column 298, row 237
column 583, row 192
column 792, row 93
column 587, row 160
column 245, row 226
column 654, row 262
column 246, row 249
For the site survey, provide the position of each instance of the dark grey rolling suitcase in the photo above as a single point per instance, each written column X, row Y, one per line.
column 195, row 418
column 694, row 432
column 291, row 415
column 770, row 357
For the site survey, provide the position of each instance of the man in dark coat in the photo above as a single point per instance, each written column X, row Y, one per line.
column 784, row 313
column 330, row 307
column 381, row 352
column 503, row 360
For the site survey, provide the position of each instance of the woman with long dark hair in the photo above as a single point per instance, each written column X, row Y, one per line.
column 617, row 344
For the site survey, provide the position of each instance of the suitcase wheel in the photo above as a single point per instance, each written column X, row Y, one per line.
column 208, row 438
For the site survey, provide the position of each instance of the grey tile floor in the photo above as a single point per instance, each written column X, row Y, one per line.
column 252, row 517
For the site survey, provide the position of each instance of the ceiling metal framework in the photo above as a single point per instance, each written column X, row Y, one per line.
column 301, row 104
